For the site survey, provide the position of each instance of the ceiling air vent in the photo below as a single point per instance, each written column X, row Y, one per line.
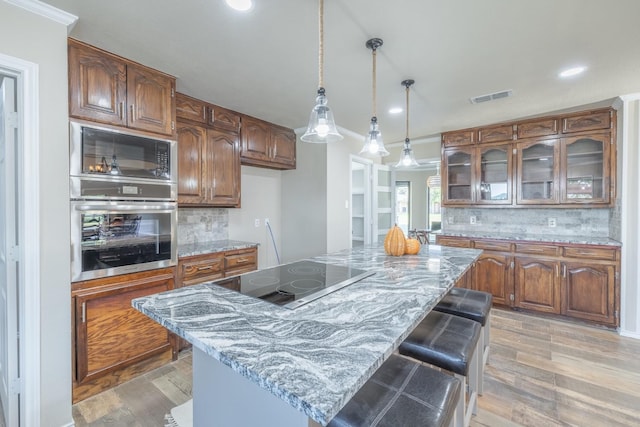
column 491, row 96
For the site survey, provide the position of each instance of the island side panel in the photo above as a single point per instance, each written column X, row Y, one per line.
column 221, row 397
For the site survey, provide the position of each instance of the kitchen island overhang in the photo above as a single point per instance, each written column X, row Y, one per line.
column 316, row 357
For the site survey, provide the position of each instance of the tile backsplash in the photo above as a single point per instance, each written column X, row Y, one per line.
column 583, row 222
column 197, row 225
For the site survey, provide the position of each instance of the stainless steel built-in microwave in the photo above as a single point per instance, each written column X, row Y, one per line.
column 111, row 163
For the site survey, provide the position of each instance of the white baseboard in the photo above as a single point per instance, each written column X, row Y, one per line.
column 630, row 334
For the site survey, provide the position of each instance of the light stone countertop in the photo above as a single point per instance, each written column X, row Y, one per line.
column 200, row 248
column 549, row 238
column 317, row 356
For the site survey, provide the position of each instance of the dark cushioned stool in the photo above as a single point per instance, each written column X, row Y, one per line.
column 402, row 392
column 449, row 342
column 474, row 305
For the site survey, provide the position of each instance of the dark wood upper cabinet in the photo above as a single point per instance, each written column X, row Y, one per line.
column 208, row 167
column 97, row 85
column 223, row 119
column 267, row 145
column 191, row 141
column 109, row 89
column 575, row 167
column 189, row 108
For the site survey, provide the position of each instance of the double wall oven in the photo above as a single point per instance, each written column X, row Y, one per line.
column 123, row 201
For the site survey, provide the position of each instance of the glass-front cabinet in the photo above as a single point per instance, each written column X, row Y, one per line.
column 459, row 177
column 495, row 168
column 537, row 180
column 585, row 177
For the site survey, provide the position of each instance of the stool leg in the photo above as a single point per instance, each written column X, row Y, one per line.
column 487, row 339
column 461, row 408
column 479, row 357
column 474, row 376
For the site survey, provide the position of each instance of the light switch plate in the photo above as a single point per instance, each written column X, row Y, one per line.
column 551, row 222
column 472, row 219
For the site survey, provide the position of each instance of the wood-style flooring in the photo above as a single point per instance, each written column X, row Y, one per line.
column 540, row 372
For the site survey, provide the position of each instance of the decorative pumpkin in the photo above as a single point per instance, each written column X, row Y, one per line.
column 412, row 246
column 394, row 242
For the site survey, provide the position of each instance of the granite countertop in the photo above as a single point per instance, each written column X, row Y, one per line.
column 550, row 238
column 200, row 248
column 317, row 356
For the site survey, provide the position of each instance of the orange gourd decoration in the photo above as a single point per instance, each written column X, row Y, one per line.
column 412, row 246
column 394, row 242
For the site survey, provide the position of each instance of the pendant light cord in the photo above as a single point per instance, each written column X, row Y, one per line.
column 407, row 135
column 320, row 43
column 374, row 80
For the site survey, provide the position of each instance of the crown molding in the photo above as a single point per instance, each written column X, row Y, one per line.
column 48, row 11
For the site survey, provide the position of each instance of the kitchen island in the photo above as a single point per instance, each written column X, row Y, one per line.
column 256, row 363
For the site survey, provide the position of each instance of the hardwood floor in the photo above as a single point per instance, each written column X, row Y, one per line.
column 540, row 372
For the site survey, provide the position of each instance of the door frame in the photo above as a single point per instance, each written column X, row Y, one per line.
column 27, row 89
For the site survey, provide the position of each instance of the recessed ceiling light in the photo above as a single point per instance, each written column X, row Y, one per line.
column 241, row 5
column 570, row 72
column 395, row 110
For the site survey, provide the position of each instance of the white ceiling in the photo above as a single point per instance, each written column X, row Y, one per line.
column 265, row 63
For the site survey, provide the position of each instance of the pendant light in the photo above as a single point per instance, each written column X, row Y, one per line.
column 407, row 159
column 373, row 143
column 322, row 127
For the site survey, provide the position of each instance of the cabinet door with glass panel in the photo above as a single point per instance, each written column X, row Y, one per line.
column 458, row 179
column 494, row 172
column 585, row 169
column 538, row 172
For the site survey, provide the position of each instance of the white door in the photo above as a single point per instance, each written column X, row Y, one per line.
column 383, row 201
column 361, row 221
column 9, row 384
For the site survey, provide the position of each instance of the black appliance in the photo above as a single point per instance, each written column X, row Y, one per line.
column 295, row 284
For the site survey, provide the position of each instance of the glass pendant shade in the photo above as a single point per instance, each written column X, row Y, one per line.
column 407, row 158
column 322, row 127
column 373, row 143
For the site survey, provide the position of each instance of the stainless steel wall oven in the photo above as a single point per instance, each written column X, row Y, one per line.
column 123, row 201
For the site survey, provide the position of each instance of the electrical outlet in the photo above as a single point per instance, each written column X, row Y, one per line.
column 551, row 222
column 256, row 222
column 472, row 219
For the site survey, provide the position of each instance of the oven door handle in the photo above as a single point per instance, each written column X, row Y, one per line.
column 126, row 207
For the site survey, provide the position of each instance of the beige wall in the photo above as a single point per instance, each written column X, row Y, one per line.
column 261, row 199
column 38, row 40
column 304, row 204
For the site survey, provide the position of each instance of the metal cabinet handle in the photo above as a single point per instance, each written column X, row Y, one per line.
column 133, row 113
column 122, row 110
column 207, row 267
column 84, row 312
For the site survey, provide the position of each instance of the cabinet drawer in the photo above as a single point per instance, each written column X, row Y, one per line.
column 200, row 269
column 595, row 253
column 493, row 246
column 240, row 260
column 538, row 128
column 531, row 248
column 463, row 137
column 591, row 121
column 455, row 242
column 495, row 134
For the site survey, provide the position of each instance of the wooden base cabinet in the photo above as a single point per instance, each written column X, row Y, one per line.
column 113, row 342
column 574, row 281
column 537, row 285
column 492, row 273
column 589, row 292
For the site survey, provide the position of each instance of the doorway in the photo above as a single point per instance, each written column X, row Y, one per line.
column 10, row 316
column 403, row 206
column 361, row 221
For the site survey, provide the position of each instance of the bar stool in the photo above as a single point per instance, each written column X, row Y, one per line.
column 402, row 392
column 474, row 305
column 449, row 342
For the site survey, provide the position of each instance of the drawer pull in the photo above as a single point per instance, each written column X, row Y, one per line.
column 207, row 267
column 239, row 260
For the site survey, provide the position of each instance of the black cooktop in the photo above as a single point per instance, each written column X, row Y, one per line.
column 295, row 284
